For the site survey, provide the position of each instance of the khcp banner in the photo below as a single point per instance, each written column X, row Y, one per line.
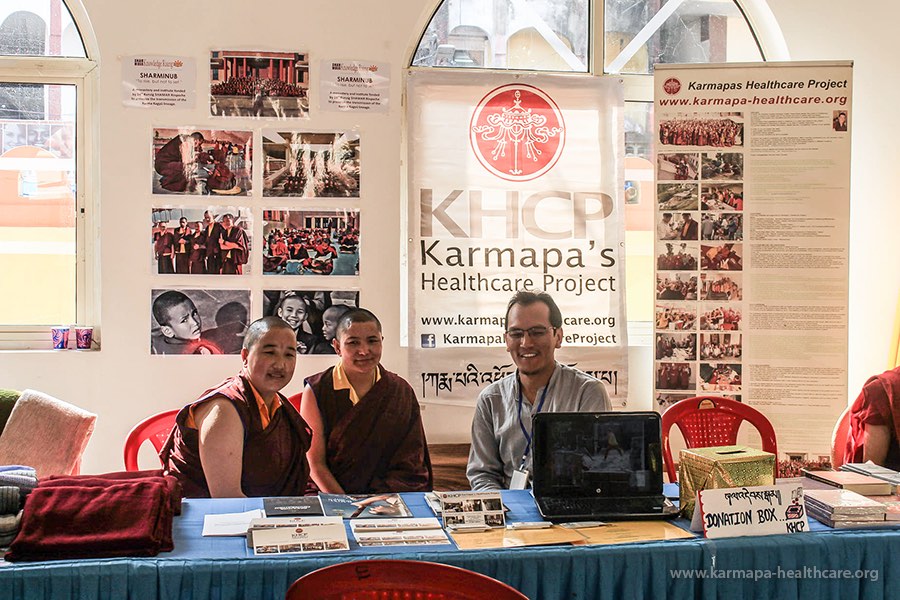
column 515, row 182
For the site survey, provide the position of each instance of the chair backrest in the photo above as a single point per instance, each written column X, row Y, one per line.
column 839, row 439
column 295, row 400
column 47, row 434
column 398, row 579
column 155, row 429
column 706, row 421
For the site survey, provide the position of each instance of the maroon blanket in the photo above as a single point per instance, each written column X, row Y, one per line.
column 127, row 518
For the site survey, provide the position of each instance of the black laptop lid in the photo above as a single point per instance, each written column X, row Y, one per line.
column 612, row 454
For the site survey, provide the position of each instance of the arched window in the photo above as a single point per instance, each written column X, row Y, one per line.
column 46, row 200
column 554, row 35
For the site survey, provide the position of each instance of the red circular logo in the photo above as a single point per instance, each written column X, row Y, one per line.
column 672, row 86
column 517, row 132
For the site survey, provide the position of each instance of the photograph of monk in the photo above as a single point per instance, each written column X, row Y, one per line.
column 201, row 241
column 677, row 196
column 722, row 165
column 664, row 399
column 311, row 242
column 248, row 83
column 313, row 315
column 676, row 346
column 723, row 317
column 725, row 257
column 202, row 162
column 722, row 196
column 720, row 377
column 721, row 286
column 677, row 167
column 310, row 165
column 719, row 130
column 191, row 321
column 720, row 346
column 678, row 256
column 675, row 317
column 676, row 286
column 675, row 376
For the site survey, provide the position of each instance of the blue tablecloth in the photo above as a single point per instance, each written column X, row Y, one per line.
column 817, row 565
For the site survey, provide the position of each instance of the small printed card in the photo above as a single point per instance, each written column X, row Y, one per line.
column 472, row 508
column 301, row 534
column 398, row 532
column 758, row 510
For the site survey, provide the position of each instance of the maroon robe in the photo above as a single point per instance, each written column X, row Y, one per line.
column 234, row 259
column 274, row 458
column 379, row 444
column 877, row 404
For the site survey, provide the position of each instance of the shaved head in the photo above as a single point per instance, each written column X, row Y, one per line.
column 261, row 327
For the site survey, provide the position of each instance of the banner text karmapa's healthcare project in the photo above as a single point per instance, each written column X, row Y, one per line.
column 752, row 236
column 515, row 183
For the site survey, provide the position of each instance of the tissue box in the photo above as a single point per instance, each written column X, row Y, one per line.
column 721, row 467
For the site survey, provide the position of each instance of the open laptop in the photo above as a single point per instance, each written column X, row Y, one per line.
column 599, row 466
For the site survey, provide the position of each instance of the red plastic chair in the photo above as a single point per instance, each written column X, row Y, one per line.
column 370, row 579
column 295, row 400
column 706, row 421
column 839, row 439
column 155, row 428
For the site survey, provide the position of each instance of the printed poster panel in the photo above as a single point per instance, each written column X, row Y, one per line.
column 206, row 162
column 313, row 314
column 514, row 183
column 354, row 86
column 201, row 241
column 198, row 321
column 259, row 83
column 310, row 164
column 316, row 241
column 159, row 81
column 752, row 237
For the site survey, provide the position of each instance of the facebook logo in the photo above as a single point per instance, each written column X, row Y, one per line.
column 428, row 340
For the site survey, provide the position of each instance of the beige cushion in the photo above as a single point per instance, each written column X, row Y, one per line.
column 47, row 434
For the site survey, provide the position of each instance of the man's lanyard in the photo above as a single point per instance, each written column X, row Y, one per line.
column 526, row 433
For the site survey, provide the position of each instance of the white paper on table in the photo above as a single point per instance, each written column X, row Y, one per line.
column 230, row 524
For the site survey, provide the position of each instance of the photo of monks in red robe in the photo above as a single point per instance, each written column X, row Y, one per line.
column 202, row 162
column 259, row 83
column 311, row 242
column 201, row 241
column 311, row 165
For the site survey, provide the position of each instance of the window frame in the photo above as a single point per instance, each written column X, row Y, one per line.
column 82, row 74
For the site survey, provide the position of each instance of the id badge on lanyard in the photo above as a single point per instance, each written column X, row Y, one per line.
column 521, row 477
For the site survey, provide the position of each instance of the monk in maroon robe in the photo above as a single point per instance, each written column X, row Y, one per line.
column 367, row 429
column 234, row 247
column 875, row 422
column 244, row 417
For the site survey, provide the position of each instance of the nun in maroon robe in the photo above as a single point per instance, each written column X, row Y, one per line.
column 377, row 445
column 878, row 404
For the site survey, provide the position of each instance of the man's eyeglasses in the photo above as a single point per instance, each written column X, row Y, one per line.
column 534, row 333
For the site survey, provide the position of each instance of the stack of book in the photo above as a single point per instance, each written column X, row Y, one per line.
column 841, row 508
column 873, row 470
column 848, row 480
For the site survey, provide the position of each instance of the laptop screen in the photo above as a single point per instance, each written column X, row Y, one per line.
column 597, row 454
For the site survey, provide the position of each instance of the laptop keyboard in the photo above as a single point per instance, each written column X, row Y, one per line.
column 603, row 506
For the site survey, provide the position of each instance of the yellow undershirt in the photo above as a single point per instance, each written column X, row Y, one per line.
column 340, row 382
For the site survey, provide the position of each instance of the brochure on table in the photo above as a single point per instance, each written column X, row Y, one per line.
column 304, row 534
column 474, row 509
column 398, row 532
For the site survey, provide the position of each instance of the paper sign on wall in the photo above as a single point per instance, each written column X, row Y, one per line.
column 759, row 510
column 159, row 81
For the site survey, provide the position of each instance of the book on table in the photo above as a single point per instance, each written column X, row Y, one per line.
column 293, row 506
column 365, row 506
column 873, row 470
column 848, row 480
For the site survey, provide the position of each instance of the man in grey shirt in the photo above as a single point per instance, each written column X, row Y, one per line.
column 501, row 428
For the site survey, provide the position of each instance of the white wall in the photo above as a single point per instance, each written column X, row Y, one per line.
column 862, row 32
column 123, row 383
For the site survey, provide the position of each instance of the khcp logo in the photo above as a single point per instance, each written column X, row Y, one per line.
column 517, row 132
column 672, row 86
